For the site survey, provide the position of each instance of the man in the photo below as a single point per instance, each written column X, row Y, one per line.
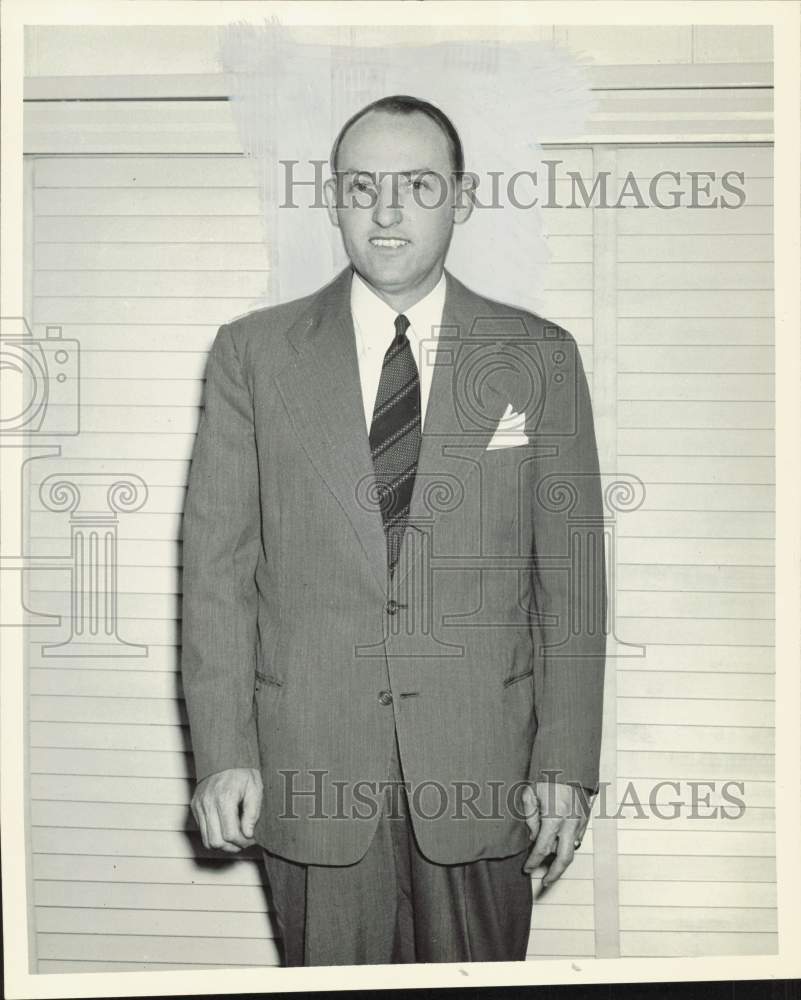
column 394, row 573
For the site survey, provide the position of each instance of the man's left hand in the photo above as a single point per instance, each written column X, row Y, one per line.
column 556, row 821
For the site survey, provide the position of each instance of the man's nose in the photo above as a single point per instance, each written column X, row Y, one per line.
column 387, row 210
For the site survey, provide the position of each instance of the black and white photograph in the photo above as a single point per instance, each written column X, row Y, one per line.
column 400, row 488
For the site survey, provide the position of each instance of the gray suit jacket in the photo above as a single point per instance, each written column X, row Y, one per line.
column 484, row 651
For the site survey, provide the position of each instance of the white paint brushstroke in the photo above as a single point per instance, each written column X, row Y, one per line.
column 291, row 94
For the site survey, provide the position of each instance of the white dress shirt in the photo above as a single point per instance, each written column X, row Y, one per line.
column 374, row 326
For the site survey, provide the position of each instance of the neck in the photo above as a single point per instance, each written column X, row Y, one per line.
column 400, row 301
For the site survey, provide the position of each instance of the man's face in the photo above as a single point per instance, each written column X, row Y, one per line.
column 395, row 204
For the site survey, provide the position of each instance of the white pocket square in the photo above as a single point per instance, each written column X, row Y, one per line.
column 511, row 431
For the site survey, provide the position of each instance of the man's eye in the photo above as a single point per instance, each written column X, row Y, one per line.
column 360, row 186
column 421, row 183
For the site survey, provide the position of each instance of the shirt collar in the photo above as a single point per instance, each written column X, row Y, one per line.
column 374, row 320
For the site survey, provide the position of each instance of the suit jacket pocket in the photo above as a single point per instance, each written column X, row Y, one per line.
column 267, row 690
column 516, row 678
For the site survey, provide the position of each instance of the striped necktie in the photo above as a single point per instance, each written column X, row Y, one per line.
column 395, row 435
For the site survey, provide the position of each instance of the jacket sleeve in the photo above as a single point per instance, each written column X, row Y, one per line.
column 569, row 589
column 221, row 540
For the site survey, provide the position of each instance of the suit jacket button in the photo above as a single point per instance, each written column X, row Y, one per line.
column 385, row 697
column 392, row 607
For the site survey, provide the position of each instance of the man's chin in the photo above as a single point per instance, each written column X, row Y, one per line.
column 390, row 274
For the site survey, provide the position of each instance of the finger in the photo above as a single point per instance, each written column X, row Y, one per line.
column 251, row 807
column 564, row 856
column 533, row 823
column 544, row 845
column 228, row 812
column 531, row 812
column 216, row 839
column 200, row 819
column 531, row 804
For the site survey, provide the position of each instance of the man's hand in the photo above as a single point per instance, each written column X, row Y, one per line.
column 556, row 819
column 216, row 807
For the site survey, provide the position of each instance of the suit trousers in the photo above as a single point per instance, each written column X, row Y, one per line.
column 395, row 906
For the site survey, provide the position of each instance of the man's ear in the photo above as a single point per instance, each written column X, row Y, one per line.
column 463, row 201
column 330, row 192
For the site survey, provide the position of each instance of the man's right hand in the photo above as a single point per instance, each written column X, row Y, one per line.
column 226, row 806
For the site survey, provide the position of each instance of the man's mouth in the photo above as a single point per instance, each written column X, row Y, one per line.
column 388, row 243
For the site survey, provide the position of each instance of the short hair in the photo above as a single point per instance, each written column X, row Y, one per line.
column 402, row 104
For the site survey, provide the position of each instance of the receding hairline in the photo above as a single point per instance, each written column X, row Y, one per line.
column 388, row 107
column 398, row 114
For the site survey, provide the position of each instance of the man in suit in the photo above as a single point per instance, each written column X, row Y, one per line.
column 394, row 596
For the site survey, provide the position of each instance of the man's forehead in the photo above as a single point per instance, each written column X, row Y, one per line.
column 395, row 133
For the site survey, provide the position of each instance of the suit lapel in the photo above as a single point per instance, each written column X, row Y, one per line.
column 321, row 389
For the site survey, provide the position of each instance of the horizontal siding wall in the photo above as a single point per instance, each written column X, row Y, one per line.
column 695, row 420
column 208, row 126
